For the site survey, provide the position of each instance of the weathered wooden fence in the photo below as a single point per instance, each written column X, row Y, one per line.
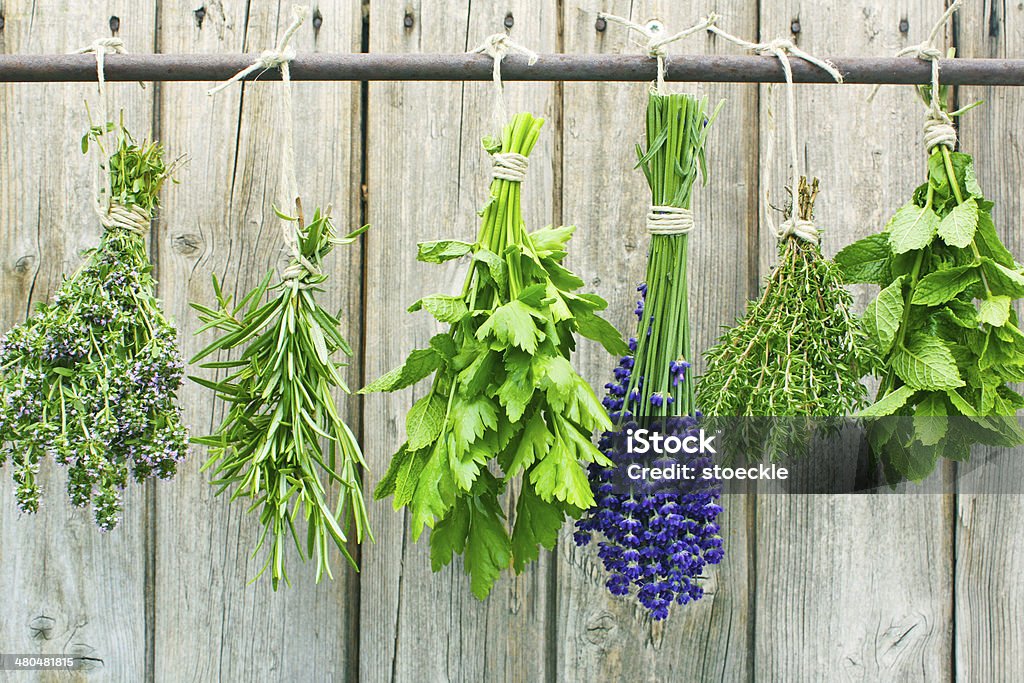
column 813, row 588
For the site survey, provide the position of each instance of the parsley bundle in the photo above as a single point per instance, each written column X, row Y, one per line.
column 504, row 393
column 658, row 541
column 91, row 378
column 282, row 443
column 943, row 355
column 797, row 353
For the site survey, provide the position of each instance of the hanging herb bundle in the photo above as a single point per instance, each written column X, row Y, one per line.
column 282, row 443
column 946, row 360
column 658, row 541
column 91, row 378
column 794, row 362
column 504, row 393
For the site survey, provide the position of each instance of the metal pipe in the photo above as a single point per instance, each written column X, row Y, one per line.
column 473, row 67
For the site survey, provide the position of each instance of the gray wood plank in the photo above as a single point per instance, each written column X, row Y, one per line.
column 211, row 625
column 989, row 600
column 600, row 636
column 428, row 176
column 68, row 588
column 852, row 587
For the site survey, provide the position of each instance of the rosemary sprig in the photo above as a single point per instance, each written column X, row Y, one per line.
column 283, row 443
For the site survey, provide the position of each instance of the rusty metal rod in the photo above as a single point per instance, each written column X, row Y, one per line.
column 473, row 67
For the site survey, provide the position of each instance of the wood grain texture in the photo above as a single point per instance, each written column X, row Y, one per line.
column 211, row 625
column 428, row 176
column 67, row 587
column 989, row 556
column 601, row 637
column 852, row 587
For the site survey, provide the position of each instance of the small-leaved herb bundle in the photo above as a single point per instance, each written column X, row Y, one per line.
column 91, row 378
column 797, row 353
column 504, row 392
column 283, row 444
column 944, row 322
column 658, row 541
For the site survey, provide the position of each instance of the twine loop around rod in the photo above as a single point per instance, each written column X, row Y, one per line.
column 279, row 57
column 509, row 166
column 782, row 49
column 669, row 220
column 938, row 127
column 657, row 41
column 498, row 46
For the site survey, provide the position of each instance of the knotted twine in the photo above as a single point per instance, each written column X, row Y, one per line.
column 506, row 165
column 280, row 57
column 112, row 215
column 782, row 49
column 663, row 220
column 653, row 30
column 938, row 126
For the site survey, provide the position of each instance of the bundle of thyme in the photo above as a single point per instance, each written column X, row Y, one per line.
column 505, row 402
column 282, row 443
column 658, row 542
column 91, row 378
column 797, row 353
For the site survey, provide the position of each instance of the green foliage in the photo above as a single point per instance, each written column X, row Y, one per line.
column 504, row 396
column 90, row 379
column 797, row 352
column 941, row 356
column 282, row 444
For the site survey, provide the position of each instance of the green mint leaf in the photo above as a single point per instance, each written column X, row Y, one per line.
column 926, row 363
column 387, row 486
column 442, row 250
column 988, row 242
column 995, row 311
column 425, row 420
column 1003, row 280
column 885, row 314
column 931, row 419
column 495, row 266
column 419, row 364
column 410, row 466
column 958, row 227
column 445, row 309
column 912, row 227
column 596, row 328
column 866, row 260
column 942, row 285
column 512, row 324
column 888, row 404
column 911, row 460
column 537, row 524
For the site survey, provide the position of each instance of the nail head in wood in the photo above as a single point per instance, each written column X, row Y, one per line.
column 510, row 21
column 115, row 24
column 600, row 25
column 408, row 21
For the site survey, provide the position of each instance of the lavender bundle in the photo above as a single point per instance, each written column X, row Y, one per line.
column 658, row 539
column 91, row 378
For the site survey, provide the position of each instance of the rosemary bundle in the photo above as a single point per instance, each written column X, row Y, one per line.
column 658, row 541
column 91, row 378
column 505, row 401
column 943, row 323
column 794, row 362
column 282, row 443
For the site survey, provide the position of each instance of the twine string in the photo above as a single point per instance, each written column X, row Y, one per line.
column 782, row 49
column 669, row 220
column 281, row 57
column 509, row 166
column 656, row 40
column 938, row 126
column 498, row 46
